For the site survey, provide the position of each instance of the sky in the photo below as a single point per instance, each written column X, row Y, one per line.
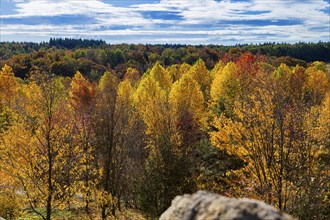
column 226, row 22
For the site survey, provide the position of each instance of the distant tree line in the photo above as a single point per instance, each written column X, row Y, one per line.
column 308, row 52
column 70, row 43
column 64, row 56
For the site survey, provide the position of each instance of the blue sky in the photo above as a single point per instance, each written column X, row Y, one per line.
column 167, row 21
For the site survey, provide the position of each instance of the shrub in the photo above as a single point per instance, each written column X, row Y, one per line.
column 9, row 205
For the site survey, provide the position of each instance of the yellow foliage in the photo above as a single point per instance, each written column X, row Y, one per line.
column 317, row 85
column 161, row 76
column 217, row 68
column 151, row 102
column 317, row 123
column 202, row 76
column 225, row 87
column 184, row 68
column 124, row 103
column 282, row 73
column 108, row 82
column 186, row 97
column 8, row 85
column 81, row 92
column 174, row 72
column 132, row 75
column 125, row 93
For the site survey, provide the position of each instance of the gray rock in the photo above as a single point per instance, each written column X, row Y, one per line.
column 209, row 206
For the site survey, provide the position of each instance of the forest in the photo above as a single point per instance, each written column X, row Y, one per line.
column 92, row 130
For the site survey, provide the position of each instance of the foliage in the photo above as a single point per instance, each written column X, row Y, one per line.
column 105, row 138
column 93, row 57
column 267, row 130
column 9, row 205
column 74, row 43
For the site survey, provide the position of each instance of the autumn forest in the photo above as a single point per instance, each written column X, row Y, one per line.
column 91, row 130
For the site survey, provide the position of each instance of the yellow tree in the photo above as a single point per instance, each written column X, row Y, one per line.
column 8, row 89
column 124, row 101
column 166, row 173
column 111, row 127
column 34, row 147
column 151, row 103
column 174, row 72
column 217, row 68
column 82, row 95
column 202, row 76
column 8, row 86
column 117, row 136
column 184, row 68
column 225, row 89
column 317, row 85
column 104, row 130
column 187, row 111
column 267, row 131
column 129, row 152
column 311, row 175
column 160, row 75
column 133, row 76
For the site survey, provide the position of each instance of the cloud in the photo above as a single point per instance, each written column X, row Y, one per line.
column 53, row 8
column 207, row 21
column 17, row 0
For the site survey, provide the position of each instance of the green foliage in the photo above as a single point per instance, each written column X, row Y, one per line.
column 74, row 43
column 24, row 57
column 167, row 175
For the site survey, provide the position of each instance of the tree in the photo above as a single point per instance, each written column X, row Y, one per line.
column 187, row 111
column 151, row 103
column 161, row 76
column 133, row 76
column 167, row 169
column 308, row 199
column 225, row 89
column 217, row 68
column 82, row 102
column 267, row 131
column 174, row 72
column 66, row 67
column 109, row 130
column 130, row 151
column 317, row 86
column 202, row 76
column 8, row 86
column 34, row 146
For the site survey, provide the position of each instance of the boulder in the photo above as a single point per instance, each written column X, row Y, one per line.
column 204, row 205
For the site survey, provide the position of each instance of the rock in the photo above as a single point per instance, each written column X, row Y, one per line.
column 209, row 206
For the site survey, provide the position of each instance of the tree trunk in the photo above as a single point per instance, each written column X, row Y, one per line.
column 104, row 212
column 49, row 208
column 87, row 206
column 50, row 167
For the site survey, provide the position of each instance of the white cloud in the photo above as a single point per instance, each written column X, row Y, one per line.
column 193, row 12
column 17, row 0
column 64, row 7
